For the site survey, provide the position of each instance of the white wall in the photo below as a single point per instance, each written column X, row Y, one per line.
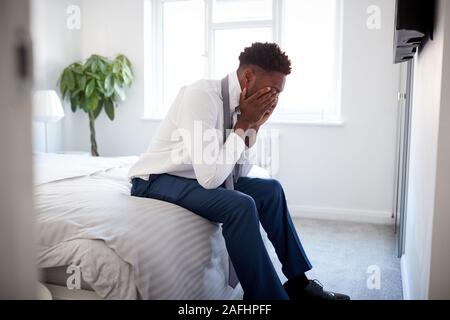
column 427, row 254
column 55, row 47
column 327, row 171
column 119, row 29
column 440, row 252
column 350, row 169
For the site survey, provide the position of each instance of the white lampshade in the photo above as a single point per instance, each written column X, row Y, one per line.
column 47, row 106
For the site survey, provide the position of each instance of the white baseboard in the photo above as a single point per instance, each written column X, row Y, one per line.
column 338, row 214
column 405, row 279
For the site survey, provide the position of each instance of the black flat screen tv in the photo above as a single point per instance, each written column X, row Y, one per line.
column 414, row 23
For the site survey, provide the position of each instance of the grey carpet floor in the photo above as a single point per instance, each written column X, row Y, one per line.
column 342, row 254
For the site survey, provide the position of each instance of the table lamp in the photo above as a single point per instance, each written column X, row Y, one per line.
column 47, row 108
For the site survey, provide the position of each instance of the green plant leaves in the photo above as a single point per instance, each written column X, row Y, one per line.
column 103, row 66
column 119, row 91
column 109, row 85
column 127, row 75
column 116, row 67
column 91, row 103
column 82, row 82
column 97, row 110
column 62, row 87
column 93, row 75
column 97, row 84
column 90, row 88
column 74, row 103
column 109, row 109
column 77, row 68
column 69, row 79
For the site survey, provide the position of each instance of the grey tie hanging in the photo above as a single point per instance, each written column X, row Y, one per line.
column 227, row 126
column 232, row 178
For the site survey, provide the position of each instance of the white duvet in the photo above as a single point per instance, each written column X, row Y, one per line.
column 126, row 247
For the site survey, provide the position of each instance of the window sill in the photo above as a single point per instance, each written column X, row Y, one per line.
column 305, row 123
column 152, row 119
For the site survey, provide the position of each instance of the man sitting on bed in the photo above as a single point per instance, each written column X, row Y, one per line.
column 192, row 162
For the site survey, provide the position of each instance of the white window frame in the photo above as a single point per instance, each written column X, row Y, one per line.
column 154, row 72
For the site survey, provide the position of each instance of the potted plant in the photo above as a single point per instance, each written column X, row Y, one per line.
column 96, row 85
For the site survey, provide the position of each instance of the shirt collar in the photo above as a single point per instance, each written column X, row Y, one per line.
column 234, row 89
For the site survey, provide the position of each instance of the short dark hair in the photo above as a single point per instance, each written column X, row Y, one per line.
column 268, row 56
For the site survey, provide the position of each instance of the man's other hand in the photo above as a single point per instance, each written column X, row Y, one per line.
column 256, row 109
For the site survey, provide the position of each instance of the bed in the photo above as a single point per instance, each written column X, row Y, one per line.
column 125, row 247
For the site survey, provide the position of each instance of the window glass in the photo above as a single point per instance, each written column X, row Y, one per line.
column 184, row 46
column 241, row 10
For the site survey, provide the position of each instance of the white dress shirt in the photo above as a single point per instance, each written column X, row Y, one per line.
column 189, row 142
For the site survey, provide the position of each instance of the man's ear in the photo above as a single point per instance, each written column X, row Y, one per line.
column 249, row 77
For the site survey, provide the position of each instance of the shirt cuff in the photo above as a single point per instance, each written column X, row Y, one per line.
column 249, row 155
column 236, row 145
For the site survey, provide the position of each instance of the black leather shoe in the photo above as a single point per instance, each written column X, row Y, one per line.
column 313, row 291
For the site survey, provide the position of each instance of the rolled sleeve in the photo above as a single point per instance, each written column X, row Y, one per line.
column 248, row 160
column 211, row 160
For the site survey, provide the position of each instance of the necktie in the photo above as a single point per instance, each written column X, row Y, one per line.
column 237, row 166
column 227, row 126
column 232, row 178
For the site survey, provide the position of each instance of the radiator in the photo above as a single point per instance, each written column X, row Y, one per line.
column 268, row 150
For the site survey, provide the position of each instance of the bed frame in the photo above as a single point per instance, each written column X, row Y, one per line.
column 63, row 293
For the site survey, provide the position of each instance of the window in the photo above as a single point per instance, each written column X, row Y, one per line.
column 186, row 40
